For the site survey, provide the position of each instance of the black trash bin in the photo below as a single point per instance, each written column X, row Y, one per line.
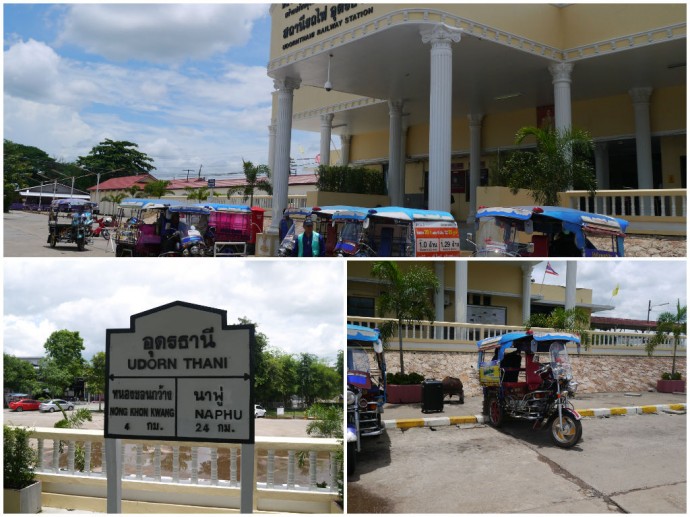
column 432, row 396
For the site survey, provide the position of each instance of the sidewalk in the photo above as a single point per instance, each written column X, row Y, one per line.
column 587, row 404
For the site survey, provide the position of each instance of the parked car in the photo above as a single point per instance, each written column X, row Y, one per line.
column 25, row 405
column 52, row 405
column 259, row 411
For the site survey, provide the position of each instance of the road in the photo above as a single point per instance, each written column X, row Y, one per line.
column 624, row 464
column 264, row 426
column 26, row 235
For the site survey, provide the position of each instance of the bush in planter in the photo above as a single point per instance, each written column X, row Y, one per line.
column 19, row 458
column 404, row 379
column 666, row 376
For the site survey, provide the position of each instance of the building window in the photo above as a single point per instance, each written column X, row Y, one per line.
column 360, row 306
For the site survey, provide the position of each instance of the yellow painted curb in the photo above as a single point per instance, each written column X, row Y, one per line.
column 677, row 407
column 648, row 409
column 463, row 420
column 410, row 422
column 619, row 411
column 586, row 412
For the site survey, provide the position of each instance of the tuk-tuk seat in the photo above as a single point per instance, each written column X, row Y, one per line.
column 534, row 380
column 386, row 245
column 148, row 234
column 541, row 245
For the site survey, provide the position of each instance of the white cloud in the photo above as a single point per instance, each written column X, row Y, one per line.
column 159, row 33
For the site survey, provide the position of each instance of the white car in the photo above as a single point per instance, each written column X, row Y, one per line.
column 259, row 411
column 52, row 405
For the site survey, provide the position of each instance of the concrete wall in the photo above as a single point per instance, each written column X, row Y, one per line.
column 594, row 373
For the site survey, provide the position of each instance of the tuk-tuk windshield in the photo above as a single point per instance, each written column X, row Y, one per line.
column 351, row 231
column 358, row 360
column 495, row 236
column 560, row 363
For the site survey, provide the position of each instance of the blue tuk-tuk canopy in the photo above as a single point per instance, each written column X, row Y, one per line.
column 410, row 214
column 69, row 202
column 146, row 203
column 360, row 333
column 222, row 207
column 569, row 216
column 508, row 340
column 342, row 212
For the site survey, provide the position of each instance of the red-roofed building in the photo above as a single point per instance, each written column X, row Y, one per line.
column 114, row 186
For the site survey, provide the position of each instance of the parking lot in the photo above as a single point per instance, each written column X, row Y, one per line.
column 264, row 426
column 624, row 464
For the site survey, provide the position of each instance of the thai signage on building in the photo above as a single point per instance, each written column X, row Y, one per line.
column 180, row 373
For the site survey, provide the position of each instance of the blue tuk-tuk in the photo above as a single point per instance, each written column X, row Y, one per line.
column 366, row 389
column 547, row 231
column 394, row 231
column 70, row 220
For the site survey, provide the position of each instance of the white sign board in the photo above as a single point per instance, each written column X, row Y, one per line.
column 180, row 373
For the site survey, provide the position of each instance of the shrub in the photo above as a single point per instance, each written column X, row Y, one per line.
column 19, row 458
column 404, row 379
column 351, row 180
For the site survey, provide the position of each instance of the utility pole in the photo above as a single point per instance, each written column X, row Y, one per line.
column 188, row 171
column 200, row 166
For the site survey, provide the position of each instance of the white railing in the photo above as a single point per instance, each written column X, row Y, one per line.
column 663, row 210
column 462, row 337
column 301, row 473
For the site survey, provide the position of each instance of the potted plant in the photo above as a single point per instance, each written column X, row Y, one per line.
column 673, row 323
column 22, row 491
column 404, row 388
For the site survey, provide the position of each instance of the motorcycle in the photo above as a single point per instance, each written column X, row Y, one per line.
column 529, row 390
column 102, row 229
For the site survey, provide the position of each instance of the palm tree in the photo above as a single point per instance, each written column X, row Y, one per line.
column 257, row 177
column 573, row 321
column 405, row 295
column 562, row 161
column 200, row 194
column 669, row 323
column 134, row 191
column 157, row 188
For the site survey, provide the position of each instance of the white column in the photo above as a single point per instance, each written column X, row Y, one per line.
column 570, row 284
column 601, row 164
column 461, row 295
column 281, row 171
column 272, row 147
column 325, row 149
column 394, row 135
column 345, row 149
column 439, row 268
column 440, row 105
column 475, row 160
column 643, row 137
column 527, row 291
column 403, row 159
column 561, row 72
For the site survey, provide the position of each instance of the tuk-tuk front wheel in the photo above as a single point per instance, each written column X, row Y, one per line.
column 567, row 436
column 351, row 457
column 496, row 415
column 53, row 240
column 80, row 244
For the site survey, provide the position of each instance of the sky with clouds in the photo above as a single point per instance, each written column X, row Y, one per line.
column 639, row 281
column 298, row 305
column 186, row 82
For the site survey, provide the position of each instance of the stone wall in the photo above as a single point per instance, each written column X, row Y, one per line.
column 594, row 374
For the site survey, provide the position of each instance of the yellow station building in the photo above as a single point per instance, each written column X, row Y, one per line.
column 433, row 94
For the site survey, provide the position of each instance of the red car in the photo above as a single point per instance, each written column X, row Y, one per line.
column 25, row 405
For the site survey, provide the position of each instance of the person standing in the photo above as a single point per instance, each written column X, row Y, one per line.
column 285, row 225
column 309, row 243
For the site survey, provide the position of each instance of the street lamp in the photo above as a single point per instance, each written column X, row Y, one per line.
column 650, row 306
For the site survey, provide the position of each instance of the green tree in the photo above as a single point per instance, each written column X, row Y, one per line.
column 562, row 160
column 262, row 380
column 405, row 296
column 115, row 198
column 158, row 188
column 669, row 323
column 116, row 155
column 23, row 166
column 198, row 194
column 287, row 381
column 257, row 178
column 63, row 362
column 18, row 375
column 95, row 375
column 573, row 321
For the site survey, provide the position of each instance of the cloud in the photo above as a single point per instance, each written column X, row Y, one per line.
column 159, row 33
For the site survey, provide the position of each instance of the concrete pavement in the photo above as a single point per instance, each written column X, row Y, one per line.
column 587, row 404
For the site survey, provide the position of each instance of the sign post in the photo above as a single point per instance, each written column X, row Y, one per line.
column 180, row 373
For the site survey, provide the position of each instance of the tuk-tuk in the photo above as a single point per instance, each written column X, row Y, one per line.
column 295, row 214
column 330, row 222
column 395, row 231
column 547, row 231
column 516, row 384
column 366, row 389
column 70, row 220
column 233, row 228
column 143, row 224
column 186, row 232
